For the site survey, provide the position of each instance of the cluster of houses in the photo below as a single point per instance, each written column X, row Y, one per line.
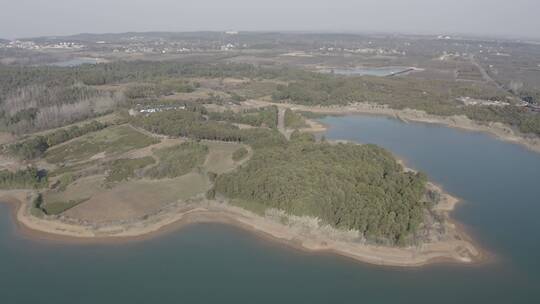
column 31, row 45
column 161, row 108
column 365, row 51
column 468, row 101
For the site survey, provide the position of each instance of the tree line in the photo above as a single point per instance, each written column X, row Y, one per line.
column 39, row 107
column 36, row 146
column 27, row 178
column 432, row 96
column 185, row 123
column 263, row 117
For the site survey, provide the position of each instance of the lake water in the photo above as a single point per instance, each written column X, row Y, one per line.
column 76, row 62
column 380, row 72
column 221, row 264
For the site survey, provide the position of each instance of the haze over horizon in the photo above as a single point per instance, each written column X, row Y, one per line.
column 32, row 18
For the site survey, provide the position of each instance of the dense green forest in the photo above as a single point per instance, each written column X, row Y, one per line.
column 294, row 120
column 13, row 77
column 38, row 98
column 265, row 117
column 196, row 126
column 346, row 185
column 434, row 97
column 162, row 88
column 178, row 160
column 23, row 179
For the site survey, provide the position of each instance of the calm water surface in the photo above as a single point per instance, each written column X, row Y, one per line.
column 76, row 62
column 380, row 72
column 220, row 264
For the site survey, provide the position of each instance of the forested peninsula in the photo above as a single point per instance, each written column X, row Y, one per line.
column 126, row 149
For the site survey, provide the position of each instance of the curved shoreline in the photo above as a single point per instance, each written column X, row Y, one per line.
column 459, row 249
column 499, row 130
column 455, row 245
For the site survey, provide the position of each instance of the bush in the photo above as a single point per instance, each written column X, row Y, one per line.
column 23, row 179
column 240, row 154
column 294, row 120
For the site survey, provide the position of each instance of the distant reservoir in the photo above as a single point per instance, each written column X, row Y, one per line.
column 370, row 71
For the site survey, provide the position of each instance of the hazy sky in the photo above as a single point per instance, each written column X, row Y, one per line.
column 27, row 18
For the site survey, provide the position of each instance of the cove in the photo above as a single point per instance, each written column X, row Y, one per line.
column 213, row 263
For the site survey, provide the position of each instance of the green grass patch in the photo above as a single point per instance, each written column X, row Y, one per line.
column 240, row 154
column 252, row 206
column 58, row 207
column 26, row 178
column 294, row 120
column 72, row 168
column 258, row 117
column 124, row 169
column 64, row 181
column 112, row 140
column 178, row 160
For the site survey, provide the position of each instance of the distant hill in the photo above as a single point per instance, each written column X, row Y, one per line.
column 133, row 36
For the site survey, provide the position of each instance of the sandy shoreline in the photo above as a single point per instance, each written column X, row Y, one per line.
column 499, row 130
column 301, row 232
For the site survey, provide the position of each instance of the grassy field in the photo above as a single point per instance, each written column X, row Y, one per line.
column 72, row 168
column 220, row 156
column 82, row 188
column 137, row 198
column 125, row 168
column 107, row 142
column 55, row 208
column 178, row 160
column 130, row 184
column 294, row 120
column 121, row 194
column 240, row 154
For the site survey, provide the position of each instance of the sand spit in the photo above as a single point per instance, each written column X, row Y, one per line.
column 301, row 232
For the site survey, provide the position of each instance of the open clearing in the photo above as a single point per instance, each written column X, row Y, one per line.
column 220, row 159
column 86, row 196
column 134, row 199
column 105, row 143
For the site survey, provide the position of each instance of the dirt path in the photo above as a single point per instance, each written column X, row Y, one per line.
column 484, row 73
column 281, row 123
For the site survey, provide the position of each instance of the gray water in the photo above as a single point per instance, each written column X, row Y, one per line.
column 75, row 62
column 380, row 72
column 214, row 263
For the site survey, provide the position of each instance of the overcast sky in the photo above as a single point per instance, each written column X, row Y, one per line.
column 28, row 18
